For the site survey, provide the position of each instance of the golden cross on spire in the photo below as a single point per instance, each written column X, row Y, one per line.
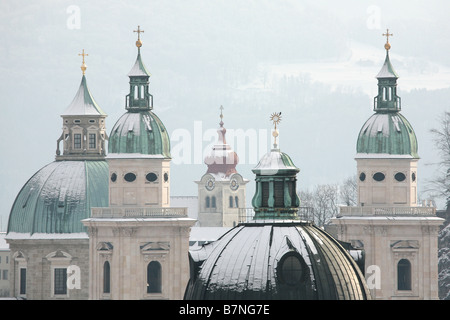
column 83, row 66
column 138, row 42
column 387, row 46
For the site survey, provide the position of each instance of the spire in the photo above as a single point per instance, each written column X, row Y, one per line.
column 387, row 99
column 139, row 98
column 222, row 159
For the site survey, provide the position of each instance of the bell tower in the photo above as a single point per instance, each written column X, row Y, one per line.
column 221, row 190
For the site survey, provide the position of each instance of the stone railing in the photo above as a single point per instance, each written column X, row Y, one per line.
column 247, row 214
column 387, row 211
column 139, row 212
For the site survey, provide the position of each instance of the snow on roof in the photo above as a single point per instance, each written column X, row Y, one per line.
column 207, row 233
column 43, row 236
column 3, row 244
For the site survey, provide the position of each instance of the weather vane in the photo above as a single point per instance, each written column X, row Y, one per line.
column 83, row 66
column 138, row 42
column 387, row 46
column 276, row 119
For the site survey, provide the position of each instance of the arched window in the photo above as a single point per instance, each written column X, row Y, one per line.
column 290, row 269
column 236, row 201
column 404, row 275
column 106, row 277
column 207, row 204
column 213, row 202
column 231, row 201
column 154, row 277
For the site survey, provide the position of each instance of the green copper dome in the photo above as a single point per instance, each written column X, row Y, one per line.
column 139, row 133
column 387, row 134
column 59, row 196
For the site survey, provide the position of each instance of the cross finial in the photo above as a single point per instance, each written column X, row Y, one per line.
column 221, row 116
column 83, row 65
column 387, row 46
column 138, row 42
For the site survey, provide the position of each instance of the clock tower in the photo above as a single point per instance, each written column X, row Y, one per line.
column 221, row 190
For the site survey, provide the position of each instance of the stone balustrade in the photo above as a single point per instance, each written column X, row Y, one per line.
column 387, row 211
column 139, row 212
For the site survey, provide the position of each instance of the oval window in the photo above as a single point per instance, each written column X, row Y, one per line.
column 166, row 177
column 151, row 177
column 130, row 177
column 413, row 176
column 379, row 176
column 290, row 269
column 362, row 176
column 400, row 176
column 113, row 177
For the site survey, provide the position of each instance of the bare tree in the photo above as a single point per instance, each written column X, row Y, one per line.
column 441, row 137
column 324, row 201
column 348, row 191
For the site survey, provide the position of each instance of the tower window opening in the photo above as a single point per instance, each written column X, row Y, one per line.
column 400, row 176
column 404, row 275
column 362, row 176
column 135, row 89
column 92, row 140
column 213, row 202
column 106, row 277
column 23, row 281
column 236, row 201
column 207, row 202
column 77, row 141
column 231, row 201
column 151, row 177
column 60, row 284
column 129, row 177
column 379, row 176
column 154, row 277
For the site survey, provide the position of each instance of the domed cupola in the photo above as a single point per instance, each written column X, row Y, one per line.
column 276, row 178
column 139, row 131
column 276, row 255
column 387, row 132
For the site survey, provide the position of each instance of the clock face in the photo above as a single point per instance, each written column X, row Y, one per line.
column 234, row 184
column 210, row 184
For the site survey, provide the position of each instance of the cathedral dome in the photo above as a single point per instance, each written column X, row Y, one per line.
column 387, row 134
column 139, row 133
column 57, row 197
column 271, row 261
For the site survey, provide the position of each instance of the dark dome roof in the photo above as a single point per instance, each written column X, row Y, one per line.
column 270, row 261
column 59, row 196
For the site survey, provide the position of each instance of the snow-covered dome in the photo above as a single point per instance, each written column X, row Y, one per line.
column 271, row 261
column 57, row 197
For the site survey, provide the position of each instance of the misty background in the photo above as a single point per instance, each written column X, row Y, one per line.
column 314, row 61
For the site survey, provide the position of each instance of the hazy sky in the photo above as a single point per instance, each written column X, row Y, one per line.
column 315, row 61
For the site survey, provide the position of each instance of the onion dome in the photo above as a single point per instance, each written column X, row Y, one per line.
column 387, row 133
column 222, row 160
column 59, row 196
column 139, row 132
column 272, row 261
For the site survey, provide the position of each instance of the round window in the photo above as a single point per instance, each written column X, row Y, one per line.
column 400, row 176
column 290, row 269
column 413, row 176
column 151, row 177
column 362, row 176
column 113, row 177
column 379, row 176
column 130, row 177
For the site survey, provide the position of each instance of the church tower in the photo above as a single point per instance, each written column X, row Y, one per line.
column 398, row 236
column 138, row 245
column 221, row 190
